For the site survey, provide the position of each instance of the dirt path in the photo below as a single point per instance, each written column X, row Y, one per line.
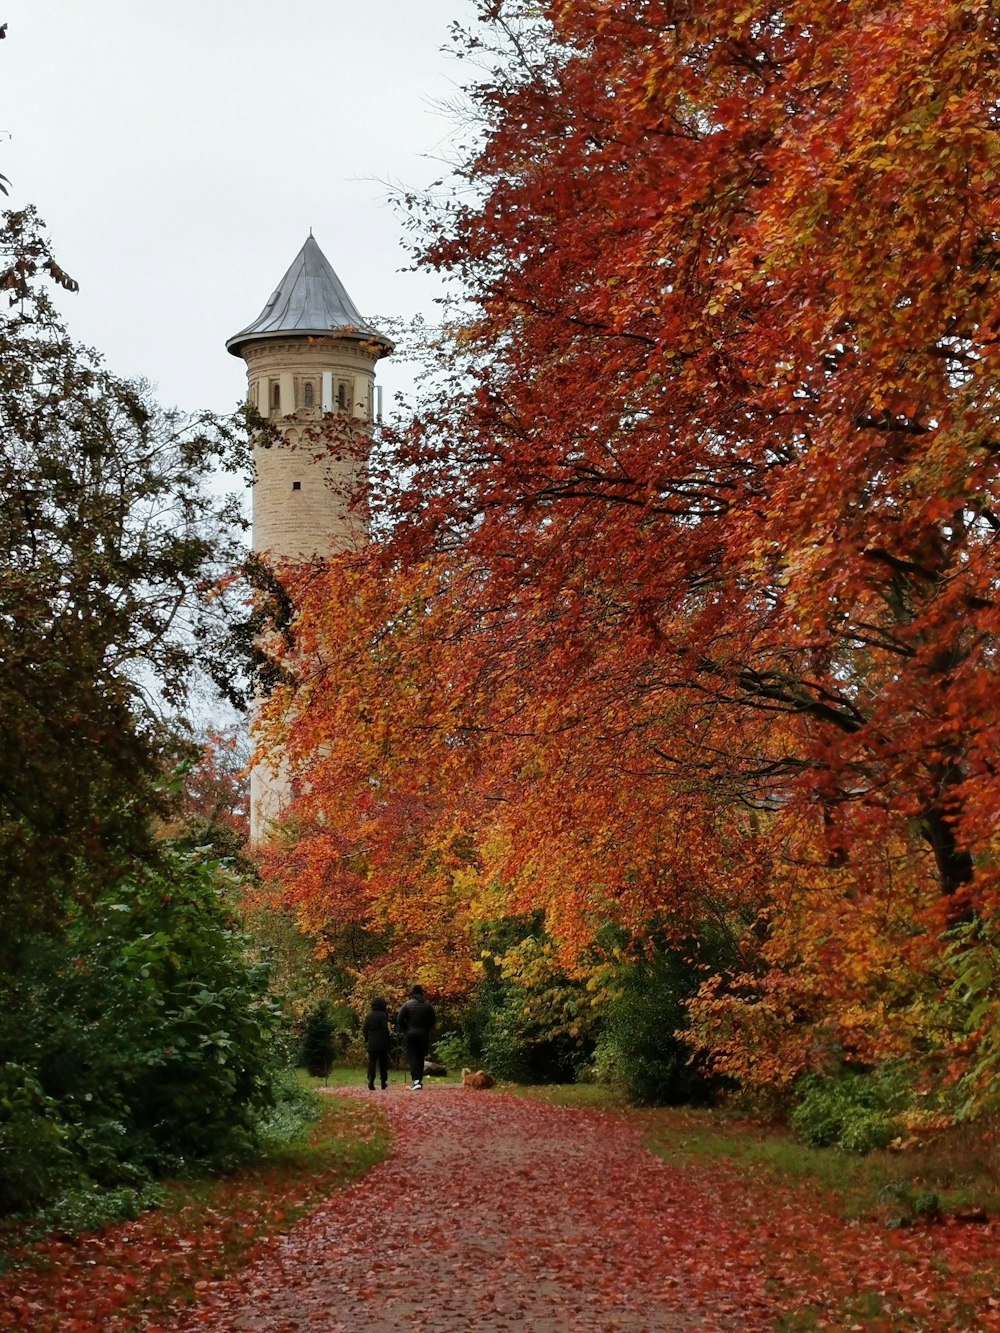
column 499, row 1212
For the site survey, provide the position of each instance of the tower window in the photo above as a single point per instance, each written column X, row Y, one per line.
column 307, row 394
column 275, row 395
column 296, row 485
column 342, row 394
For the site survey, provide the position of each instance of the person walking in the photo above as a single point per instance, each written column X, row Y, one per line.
column 375, row 1031
column 415, row 1022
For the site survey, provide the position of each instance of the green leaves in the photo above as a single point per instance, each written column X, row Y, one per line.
column 142, row 1042
column 111, row 539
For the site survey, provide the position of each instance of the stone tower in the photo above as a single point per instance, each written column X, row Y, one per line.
column 311, row 371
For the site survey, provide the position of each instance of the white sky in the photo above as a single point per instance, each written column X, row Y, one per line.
column 179, row 153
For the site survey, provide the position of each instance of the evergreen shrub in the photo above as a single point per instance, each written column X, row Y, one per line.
column 853, row 1110
column 318, row 1050
column 142, row 1042
column 638, row 1049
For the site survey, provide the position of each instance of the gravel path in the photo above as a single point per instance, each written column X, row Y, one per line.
column 501, row 1212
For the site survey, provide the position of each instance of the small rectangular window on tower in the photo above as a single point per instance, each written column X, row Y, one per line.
column 296, row 485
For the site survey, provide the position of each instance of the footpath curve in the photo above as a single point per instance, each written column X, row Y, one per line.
column 500, row 1212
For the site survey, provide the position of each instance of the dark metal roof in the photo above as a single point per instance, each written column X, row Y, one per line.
column 310, row 301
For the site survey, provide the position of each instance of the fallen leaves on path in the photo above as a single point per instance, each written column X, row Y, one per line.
column 139, row 1274
column 502, row 1212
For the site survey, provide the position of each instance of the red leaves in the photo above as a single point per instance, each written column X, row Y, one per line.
column 151, row 1268
column 683, row 604
column 520, row 1213
column 529, row 1215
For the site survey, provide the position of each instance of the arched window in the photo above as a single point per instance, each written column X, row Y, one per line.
column 307, row 394
column 276, row 395
column 342, row 395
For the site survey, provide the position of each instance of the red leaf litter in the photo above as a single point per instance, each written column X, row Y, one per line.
column 499, row 1212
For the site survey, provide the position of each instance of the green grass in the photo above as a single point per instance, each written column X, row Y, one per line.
column 592, row 1096
column 338, row 1077
column 353, row 1076
column 960, row 1169
column 886, row 1186
column 204, row 1228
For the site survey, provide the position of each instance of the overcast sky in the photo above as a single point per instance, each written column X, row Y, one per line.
column 179, row 153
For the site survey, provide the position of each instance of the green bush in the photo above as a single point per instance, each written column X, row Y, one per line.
column 851, row 1110
column 287, row 1119
column 85, row 1208
column 452, row 1049
column 185, row 1033
column 35, row 1159
column 529, row 1023
column 318, row 1047
column 141, row 1043
column 514, row 1051
column 638, row 1049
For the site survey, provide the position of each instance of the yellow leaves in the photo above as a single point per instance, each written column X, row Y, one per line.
column 842, row 963
column 879, row 164
column 651, row 85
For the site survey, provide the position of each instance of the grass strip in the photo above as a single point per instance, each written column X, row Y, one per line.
column 134, row 1274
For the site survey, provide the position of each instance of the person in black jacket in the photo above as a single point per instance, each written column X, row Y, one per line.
column 416, row 1022
column 375, row 1030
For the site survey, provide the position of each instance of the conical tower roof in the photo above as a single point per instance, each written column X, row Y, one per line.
column 309, row 301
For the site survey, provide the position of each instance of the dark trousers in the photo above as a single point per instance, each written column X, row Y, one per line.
column 381, row 1058
column 416, row 1053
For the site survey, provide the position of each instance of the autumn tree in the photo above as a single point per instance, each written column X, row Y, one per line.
column 371, row 846
column 734, row 374
column 713, row 485
column 214, row 806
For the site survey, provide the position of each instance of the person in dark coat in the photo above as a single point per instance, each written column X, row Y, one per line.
column 415, row 1022
column 375, row 1031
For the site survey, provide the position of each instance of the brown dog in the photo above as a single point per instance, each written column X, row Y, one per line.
column 479, row 1079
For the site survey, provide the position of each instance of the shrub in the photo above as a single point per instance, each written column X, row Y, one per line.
column 638, row 1049
column 84, row 1208
column 452, row 1049
column 851, row 1110
column 293, row 1110
column 34, row 1157
column 515, row 1051
column 186, row 1028
column 318, row 1049
column 531, row 1023
column 140, row 1043
column 968, row 1014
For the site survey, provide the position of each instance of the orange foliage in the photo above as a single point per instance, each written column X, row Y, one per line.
column 688, row 607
